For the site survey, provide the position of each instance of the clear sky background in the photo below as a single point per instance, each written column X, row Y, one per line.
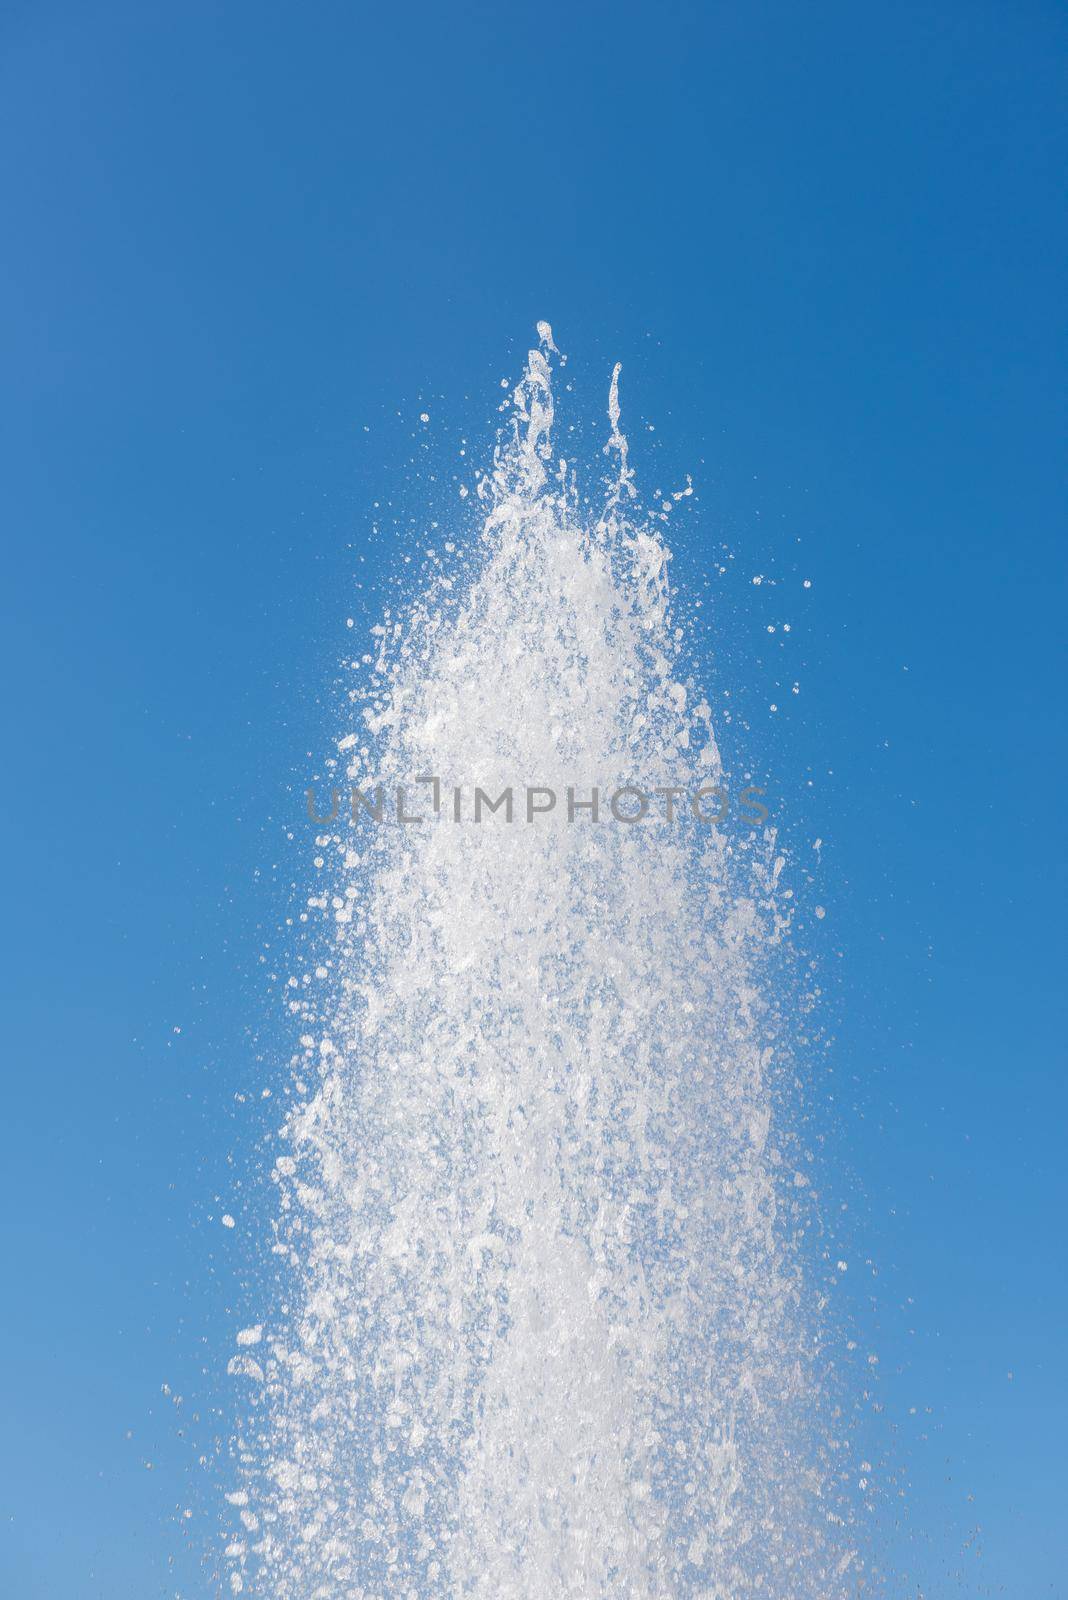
column 245, row 246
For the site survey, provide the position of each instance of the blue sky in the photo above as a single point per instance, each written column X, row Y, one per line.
column 245, row 247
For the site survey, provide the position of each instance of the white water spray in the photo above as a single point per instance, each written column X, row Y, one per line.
column 548, row 1330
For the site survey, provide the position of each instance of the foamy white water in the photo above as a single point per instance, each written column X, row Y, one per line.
column 548, row 1332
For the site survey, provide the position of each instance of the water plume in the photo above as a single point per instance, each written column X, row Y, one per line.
column 547, row 1330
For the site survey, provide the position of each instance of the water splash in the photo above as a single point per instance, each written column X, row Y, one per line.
column 548, row 1331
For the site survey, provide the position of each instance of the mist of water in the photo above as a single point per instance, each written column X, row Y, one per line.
column 548, row 1330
